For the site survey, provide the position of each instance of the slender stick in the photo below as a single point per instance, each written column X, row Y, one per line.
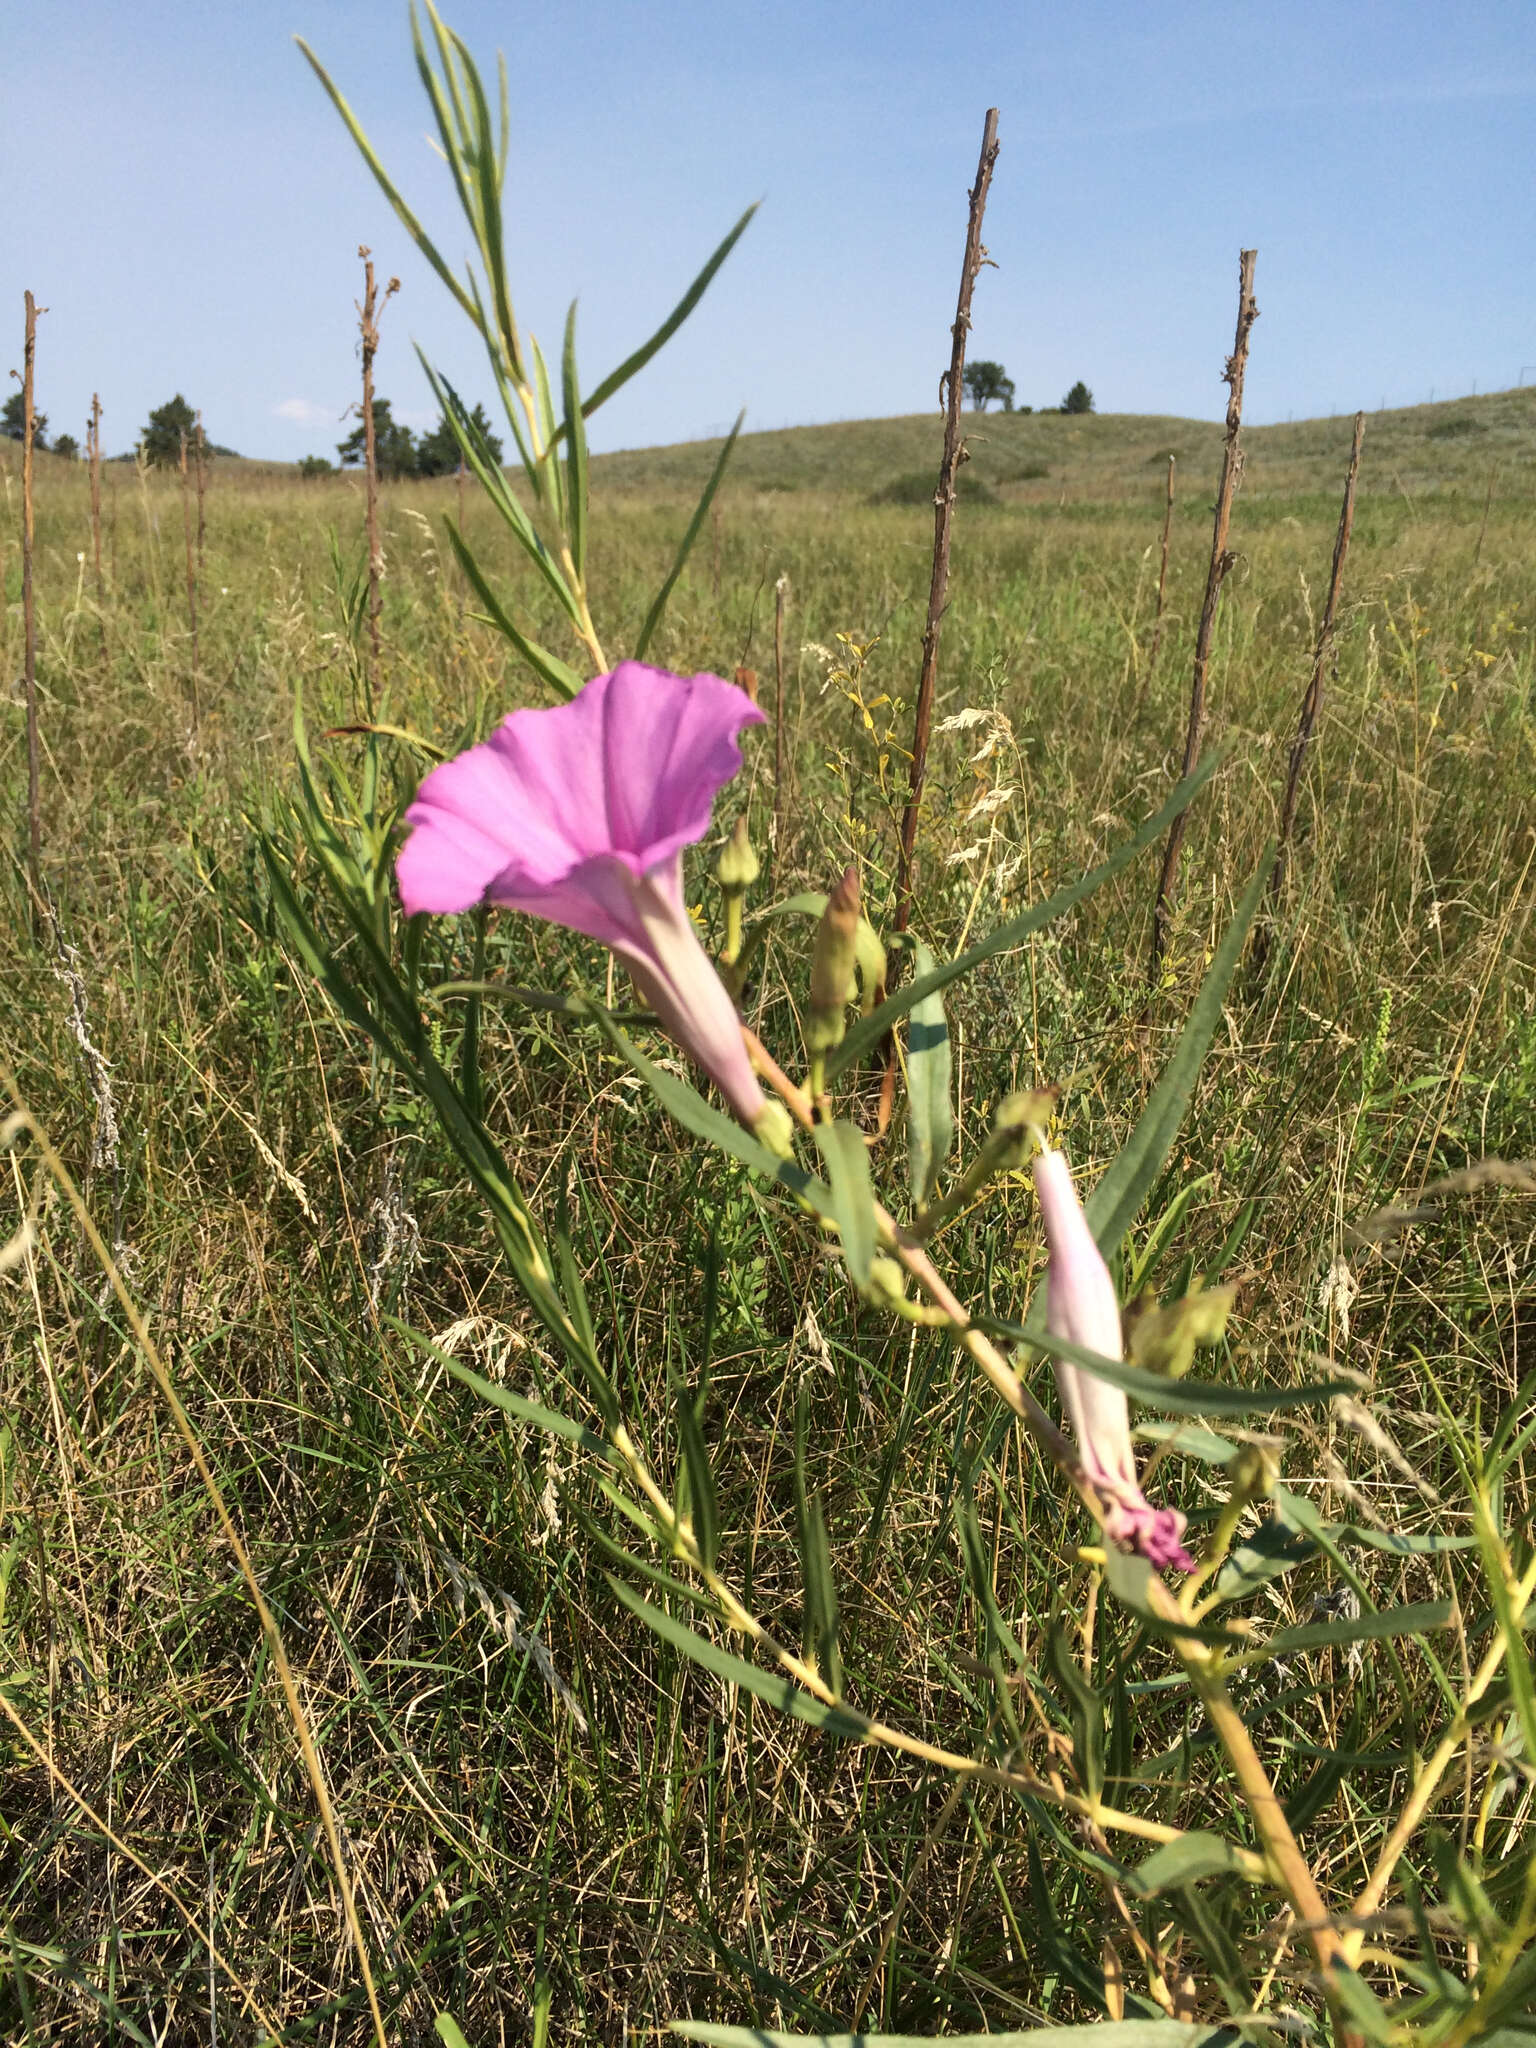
column 1216, row 575
column 202, row 482
column 944, row 513
column 1162, row 575
column 29, row 617
column 93, row 443
column 1311, row 702
column 780, row 598
column 368, row 327
column 186, row 528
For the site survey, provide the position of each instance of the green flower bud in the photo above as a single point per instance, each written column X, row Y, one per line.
column 833, row 965
column 738, row 866
column 774, row 1128
column 887, row 1283
column 1253, row 1473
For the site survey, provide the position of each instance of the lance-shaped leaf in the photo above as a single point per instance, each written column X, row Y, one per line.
column 930, row 1112
column 853, row 1198
column 871, row 1030
column 775, row 1686
column 653, row 616
column 617, row 379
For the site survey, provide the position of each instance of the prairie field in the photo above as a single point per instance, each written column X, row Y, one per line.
column 558, row 1826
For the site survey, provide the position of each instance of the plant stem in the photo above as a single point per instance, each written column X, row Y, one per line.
column 943, row 515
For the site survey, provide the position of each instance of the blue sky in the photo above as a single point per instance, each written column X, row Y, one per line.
column 186, row 204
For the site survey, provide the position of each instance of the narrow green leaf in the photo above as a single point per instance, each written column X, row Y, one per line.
column 1301, row 1514
column 408, row 220
column 930, row 1112
column 1104, row 2033
column 1197, row 1854
column 773, row 1686
column 517, row 1405
column 1085, row 1709
column 819, row 1636
column 653, row 616
column 843, row 1148
column 703, row 1501
column 548, row 667
column 1113, row 1205
column 576, row 448
column 1414, row 1620
column 449, row 2032
column 617, row 379
column 690, row 1109
column 871, row 1030
column 1129, row 1578
column 1185, row 1396
column 1517, row 1659
column 1272, row 1549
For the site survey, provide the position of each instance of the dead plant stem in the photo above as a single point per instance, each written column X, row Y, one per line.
column 1220, row 564
column 953, row 388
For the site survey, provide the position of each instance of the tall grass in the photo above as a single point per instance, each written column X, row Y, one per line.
column 555, row 1827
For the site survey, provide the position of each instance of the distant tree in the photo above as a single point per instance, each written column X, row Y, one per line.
column 13, row 421
column 161, row 439
column 986, row 381
column 1078, row 399
column 67, row 446
column 394, row 445
column 316, row 465
column 437, row 453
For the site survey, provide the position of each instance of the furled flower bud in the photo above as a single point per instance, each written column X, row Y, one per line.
column 1081, row 1305
column 738, row 866
column 833, row 965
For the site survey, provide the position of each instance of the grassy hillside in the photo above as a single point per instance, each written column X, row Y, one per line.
column 1041, row 458
column 578, row 1841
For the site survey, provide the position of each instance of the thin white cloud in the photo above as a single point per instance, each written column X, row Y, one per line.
column 304, row 412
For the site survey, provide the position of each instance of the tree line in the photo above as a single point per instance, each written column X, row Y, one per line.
column 988, row 383
column 398, row 452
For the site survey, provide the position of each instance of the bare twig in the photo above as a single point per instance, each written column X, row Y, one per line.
column 29, row 617
column 780, row 598
column 93, row 446
column 1162, row 578
column 202, row 485
column 1216, row 575
column 943, row 514
column 1312, row 700
column 186, row 528
column 368, row 327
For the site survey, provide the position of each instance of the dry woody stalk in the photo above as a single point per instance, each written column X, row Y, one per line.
column 202, row 485
column 944, row 514
column 1311, row 703
column 1220, row 564
column 29, row 617
column 186, row 528
column 1162, row 572
column 368, row 327
column 93, row 447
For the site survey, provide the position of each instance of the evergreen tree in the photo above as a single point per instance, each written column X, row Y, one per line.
column 67, row 446
column 13, row 422
column 161, row 439
column 394, row 445
column 437, row 453
column 1078, row 399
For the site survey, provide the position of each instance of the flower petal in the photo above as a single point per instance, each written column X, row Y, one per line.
column 629, row 769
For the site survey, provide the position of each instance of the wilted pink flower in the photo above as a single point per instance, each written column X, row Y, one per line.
column 1081, row 1306
column 579, row 814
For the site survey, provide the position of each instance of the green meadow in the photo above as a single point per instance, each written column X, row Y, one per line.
column 558, row 1827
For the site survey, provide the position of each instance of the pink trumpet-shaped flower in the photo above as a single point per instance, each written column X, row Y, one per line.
column 579, row 814
column 1081, row 1306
